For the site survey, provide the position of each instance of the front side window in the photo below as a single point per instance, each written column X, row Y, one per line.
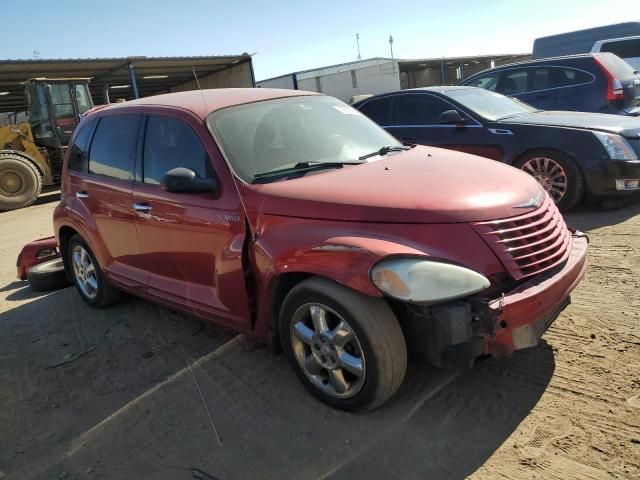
column 514, row 82
column 78, row 160
column 262, row 137
column 61, row 100
column 420, row 109
column 378, row 110
column 171, row 143
column 114, row 146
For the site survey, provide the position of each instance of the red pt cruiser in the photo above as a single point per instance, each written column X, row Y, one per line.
column 291, row 217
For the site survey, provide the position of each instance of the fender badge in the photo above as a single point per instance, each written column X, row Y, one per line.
column 532, row 203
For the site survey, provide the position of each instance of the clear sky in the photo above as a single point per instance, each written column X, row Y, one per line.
column 293, row 35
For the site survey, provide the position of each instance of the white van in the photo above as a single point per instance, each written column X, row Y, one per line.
column 627, row 48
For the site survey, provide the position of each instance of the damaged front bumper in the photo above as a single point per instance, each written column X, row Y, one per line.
column 523, row 315
column 34, row 253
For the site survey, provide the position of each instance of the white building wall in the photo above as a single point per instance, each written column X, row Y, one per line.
column 380, row 77
column 285, row 81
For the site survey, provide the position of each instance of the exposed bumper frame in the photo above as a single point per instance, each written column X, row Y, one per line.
column 525, row 313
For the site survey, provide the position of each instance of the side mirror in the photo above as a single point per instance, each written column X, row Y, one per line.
column 451, row 117
column 185, row 180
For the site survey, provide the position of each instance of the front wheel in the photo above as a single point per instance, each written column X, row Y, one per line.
column 347, row 349
column 557, row 173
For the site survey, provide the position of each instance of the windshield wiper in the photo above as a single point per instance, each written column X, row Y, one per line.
column 304, row 167
column 384, row 151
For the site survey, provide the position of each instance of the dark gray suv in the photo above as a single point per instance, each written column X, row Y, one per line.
column 593, row 82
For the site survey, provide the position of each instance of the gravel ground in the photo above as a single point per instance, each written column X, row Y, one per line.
column 126, row 403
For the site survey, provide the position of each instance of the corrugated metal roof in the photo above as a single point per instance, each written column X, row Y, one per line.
column 106, row 72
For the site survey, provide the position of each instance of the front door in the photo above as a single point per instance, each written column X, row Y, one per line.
column 191, row 243
column 417, row 120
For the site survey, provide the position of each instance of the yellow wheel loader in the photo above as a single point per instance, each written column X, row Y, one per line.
column 31, row 152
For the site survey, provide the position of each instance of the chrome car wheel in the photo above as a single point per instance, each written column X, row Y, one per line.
column 85, row 272
column 549, row 174
column 327, row 350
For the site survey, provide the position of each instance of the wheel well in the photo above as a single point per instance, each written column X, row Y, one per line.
column 543, row 149
column 282, row 286
column 64, row 235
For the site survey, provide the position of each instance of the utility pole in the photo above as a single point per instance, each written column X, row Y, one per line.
column 358, row 43
column 392, row 61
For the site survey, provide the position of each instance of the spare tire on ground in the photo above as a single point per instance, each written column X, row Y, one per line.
column 49, row 275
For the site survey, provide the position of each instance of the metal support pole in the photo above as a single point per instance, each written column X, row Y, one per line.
column 105, row 93
column 461, row 70
column 132, row 76
column 442, row 72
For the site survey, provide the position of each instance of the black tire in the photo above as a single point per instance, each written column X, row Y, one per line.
column 105, row 293
column 378, row 333
column 20, row 182
column 575, row 181
column 49, row 275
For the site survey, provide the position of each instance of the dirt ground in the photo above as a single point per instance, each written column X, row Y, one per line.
column 126, row 404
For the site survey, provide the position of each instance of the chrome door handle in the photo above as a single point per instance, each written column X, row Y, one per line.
column 142, row 207
column 82, row 194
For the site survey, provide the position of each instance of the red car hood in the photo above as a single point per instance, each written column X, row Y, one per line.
column 422, row 185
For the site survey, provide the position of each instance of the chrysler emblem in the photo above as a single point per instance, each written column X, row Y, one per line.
column 532, row 203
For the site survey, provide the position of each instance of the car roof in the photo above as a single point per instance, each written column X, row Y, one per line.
column 524, row 63
column 443, row 89
column 203, row 102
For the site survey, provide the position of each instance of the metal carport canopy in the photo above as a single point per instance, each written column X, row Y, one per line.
column 154, row 75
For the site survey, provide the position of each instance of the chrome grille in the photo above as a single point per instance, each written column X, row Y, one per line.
column 529, row 243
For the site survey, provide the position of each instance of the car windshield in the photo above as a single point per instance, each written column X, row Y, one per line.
column 489, row 105
column 295, row 132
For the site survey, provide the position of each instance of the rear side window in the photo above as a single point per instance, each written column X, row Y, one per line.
column 623, row 48
column 488, row 82
column 114, row 146
column 566, row 77
column 171, row 143
column 78, row 161
column 378, row 110
column 618, row 67
column 514, row 82
column 419, row 109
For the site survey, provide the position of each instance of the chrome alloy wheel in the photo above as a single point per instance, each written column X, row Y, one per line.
column 327, row 350
column 549, row 174
column 85, row 272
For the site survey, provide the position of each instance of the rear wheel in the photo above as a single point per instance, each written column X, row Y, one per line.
column 20, row 182
column 557, row 173
column 346, row 348
column 89, row 278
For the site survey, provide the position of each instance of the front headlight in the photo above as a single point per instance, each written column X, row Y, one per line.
column 425, row 281
column 616, row 146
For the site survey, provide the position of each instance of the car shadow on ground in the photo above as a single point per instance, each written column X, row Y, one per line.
column 121, row 392
column 589, row 217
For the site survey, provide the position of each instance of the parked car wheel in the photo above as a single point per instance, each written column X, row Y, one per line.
column 49, row 275
column 20, row 182
column 348, row 349
column 557, row 173
column 89, row 278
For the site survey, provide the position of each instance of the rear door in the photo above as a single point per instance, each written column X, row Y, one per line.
column 575, row 88
column 102, row 184
column 530, row 85
column 191, row 243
